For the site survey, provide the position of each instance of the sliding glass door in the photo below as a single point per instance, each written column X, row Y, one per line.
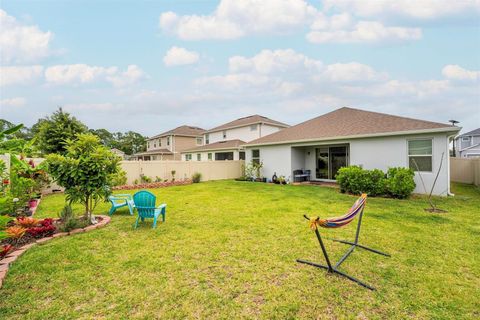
column 329, row 160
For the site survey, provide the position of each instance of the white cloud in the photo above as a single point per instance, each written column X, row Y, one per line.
column 363, row 31
column 82, row 74
column 237, row 18
column 11, row 75
column 176, row 56
column 455, row 72
column 22, row 43
column 13, row 102
column 132, row 75
column 423, row 9
column 352, row 72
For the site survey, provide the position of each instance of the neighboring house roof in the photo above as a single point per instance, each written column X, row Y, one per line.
column 475, row 132
column 349, row 123
column 117, row 151
column 187, row 131
column 221, row 145
column 471, row 147
column 245, row 121
column 157, row 151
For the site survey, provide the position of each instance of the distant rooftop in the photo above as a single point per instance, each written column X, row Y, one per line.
column 245, row 121
column 185, row 130
column 475, row 132
column 220, row 145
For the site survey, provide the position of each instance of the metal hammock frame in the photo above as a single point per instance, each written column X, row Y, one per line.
column 357, row 209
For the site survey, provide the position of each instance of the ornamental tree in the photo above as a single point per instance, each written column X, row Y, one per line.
column 85, row 171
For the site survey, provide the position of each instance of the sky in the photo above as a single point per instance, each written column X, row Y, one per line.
column 150, row 66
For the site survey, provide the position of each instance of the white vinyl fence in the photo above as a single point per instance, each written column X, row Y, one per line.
column 210, row 170
column 465, row 170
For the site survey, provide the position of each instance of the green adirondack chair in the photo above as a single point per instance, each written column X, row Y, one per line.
column 146, row 208
column 121, row 200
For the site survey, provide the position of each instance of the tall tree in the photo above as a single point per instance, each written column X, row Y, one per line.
column 54, row 131
column 131, row 142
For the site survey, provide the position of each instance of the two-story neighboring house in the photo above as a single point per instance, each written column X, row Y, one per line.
column 169, row 145
column 225, row 141
column 467, row 145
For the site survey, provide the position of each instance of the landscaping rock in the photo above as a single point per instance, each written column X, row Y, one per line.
column 40, row 241
column 16, row 253
column 8, row 260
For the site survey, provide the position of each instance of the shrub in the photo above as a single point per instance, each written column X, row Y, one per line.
column 400, row 183
column 145, row 179
column 197, row 177
column 397, row 183
column 119, row 178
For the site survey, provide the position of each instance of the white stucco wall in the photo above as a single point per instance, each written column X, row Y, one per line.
column 371, row 153
column 276, row 159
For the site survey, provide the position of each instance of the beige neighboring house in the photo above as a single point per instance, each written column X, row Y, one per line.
column 119, row 153
column 225, row 141
column 169, row 145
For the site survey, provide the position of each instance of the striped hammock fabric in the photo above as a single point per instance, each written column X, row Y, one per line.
column 342, row 220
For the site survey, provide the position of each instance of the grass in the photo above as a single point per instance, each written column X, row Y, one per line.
column 228, row 251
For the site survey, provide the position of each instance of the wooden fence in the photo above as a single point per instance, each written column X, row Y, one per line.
column 210, row 170
column 465, row 170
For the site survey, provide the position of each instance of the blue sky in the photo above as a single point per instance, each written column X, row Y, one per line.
column 148, row 66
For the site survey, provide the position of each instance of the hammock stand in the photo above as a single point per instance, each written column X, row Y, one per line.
column 357, row 209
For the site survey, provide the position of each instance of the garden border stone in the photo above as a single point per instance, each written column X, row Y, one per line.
column 12, row 256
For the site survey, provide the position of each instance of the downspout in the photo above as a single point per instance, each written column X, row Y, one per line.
column 448, row 163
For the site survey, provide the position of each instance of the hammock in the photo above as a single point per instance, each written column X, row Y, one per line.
column 341, row 221
column 337, row 222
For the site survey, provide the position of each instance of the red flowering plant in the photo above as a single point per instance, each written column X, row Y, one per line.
column 5, row 250
column 46, row 228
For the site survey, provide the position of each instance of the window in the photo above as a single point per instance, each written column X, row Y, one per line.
column 241, row 155
column 420, row 155
column 256, row 156
column 224, row 134
column 154, row 145
column 168, row 141
column 188, row 157
column 253, row 127
column 210, row 156
column 199, row 157
column 199, row 141
column 159, row 142
column 465, row 138
column 207, row 138
column 219, row 156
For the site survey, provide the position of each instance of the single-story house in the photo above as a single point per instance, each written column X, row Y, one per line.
column 467, row 145
column 348, row 136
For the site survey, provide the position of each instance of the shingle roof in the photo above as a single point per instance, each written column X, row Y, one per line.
column 221, row 145
column 245, row 121
column 182, row 131
column 347, row 122
column 475, row 132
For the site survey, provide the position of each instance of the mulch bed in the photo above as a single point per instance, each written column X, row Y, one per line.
column 153, row 185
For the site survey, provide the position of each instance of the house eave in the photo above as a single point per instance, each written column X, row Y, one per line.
column 359, row 136
column 246, row 125
column 213, row 149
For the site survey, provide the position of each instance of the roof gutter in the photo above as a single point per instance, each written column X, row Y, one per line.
column 206, row 150
column 358, row 136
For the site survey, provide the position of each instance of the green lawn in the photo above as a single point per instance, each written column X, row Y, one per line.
column 228, row 251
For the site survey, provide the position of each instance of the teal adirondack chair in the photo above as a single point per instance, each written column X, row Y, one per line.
column 145, row 205
column 121, row 200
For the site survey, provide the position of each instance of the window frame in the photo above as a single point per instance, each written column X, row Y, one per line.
column 207, row 138
column 255, row 159
column 254, row 127
column 209, row 156
column 199, row 139
column 168, row 140
column 199, row 157
column 188, row 157
column 419, row 155
column 224, row 134
column 465, row 138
